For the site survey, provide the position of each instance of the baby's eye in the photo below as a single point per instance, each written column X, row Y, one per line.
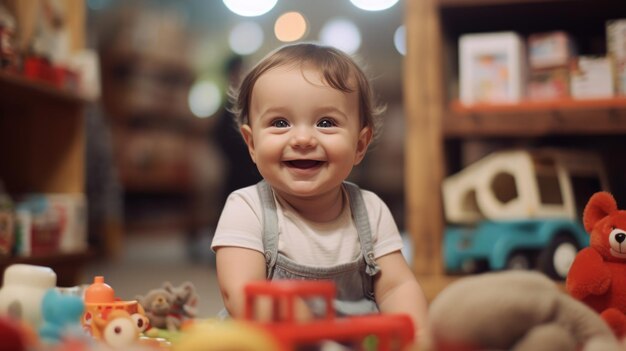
column 280, row 123
column 326, row 123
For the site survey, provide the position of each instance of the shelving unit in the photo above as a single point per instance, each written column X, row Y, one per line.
column 537, row 118
column 42, row 150
column 437, row 125
column 161, row 149
column 42, row 137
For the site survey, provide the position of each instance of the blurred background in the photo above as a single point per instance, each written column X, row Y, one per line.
column 117, row 150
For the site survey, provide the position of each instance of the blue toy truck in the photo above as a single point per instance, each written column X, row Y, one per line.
column 519, row 209
column 549, row 245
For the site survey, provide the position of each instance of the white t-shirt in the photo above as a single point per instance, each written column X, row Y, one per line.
column 319, row 244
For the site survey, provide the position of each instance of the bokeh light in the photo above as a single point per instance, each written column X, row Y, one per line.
column 204, row 99
column 342, row 34
column 290, row 26
column 399, row 39
column 245, row 38
column 248, row 8
column 373, row 5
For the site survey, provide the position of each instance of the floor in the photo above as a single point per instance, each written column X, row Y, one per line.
column 150, row 260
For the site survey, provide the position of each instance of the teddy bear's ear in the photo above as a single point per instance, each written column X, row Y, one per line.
column 168, row 286
column 188, row 286
column 600, row 205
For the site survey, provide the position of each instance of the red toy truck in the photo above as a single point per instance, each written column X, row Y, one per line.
column 390, row 331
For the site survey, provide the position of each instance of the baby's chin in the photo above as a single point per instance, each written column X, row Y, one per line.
column 305, row 188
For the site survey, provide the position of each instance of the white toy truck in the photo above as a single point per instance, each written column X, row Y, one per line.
column 520, row 209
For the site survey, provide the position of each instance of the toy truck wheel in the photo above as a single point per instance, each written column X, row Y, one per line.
column 519, row 260
column 556, row 259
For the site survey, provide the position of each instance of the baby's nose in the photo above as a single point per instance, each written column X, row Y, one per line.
column 303, row 137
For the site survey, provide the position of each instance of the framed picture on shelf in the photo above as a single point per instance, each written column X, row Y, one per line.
column 492, row 68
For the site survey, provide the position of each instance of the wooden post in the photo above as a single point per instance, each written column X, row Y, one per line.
column 423, row 99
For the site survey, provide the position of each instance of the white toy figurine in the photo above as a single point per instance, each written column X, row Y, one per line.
column 23, row 289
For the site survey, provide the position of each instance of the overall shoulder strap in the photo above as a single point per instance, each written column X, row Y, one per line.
column 362, row 223
column 270, row 226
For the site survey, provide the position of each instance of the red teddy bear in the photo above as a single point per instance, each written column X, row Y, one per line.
column 598, row 274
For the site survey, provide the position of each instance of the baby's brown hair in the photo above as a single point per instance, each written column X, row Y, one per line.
column 337, row 68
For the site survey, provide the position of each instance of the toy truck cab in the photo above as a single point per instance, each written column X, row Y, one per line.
column 520, row 209
column 390, row 331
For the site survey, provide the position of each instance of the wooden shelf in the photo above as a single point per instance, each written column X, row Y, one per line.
column 42, row 136
column 537, row 118
column 533, row 106
column 486, row 3
column 437, row 130
column 16, row 89
column 461, row 3
column 67, row 266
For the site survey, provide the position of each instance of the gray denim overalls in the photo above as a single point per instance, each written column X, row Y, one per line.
column 354, row 280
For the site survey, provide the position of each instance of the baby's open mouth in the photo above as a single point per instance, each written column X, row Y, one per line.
column 303, row 164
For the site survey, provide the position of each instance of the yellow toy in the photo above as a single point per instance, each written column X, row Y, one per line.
column 225, row 336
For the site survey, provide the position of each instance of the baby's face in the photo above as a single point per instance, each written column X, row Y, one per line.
column 304, row 135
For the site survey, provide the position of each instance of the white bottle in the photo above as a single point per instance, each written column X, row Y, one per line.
column 22, row 291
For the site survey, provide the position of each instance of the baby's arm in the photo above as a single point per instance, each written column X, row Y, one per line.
column 238, row 266
column 235, row 268
column 397, row 291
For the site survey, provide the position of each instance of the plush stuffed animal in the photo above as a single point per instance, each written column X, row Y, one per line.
column 157, row 305
column 514, row 310
column 61, row 313
column 185, row 299
column 598, row 273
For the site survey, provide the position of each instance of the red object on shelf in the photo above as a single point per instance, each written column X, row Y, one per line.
column 36, row 67
column 393, row 331
column 39, row 68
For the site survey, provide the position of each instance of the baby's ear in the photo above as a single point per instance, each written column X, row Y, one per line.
column 246, row 132
column 365, row 138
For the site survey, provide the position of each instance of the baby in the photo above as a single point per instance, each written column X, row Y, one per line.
column 307, row 115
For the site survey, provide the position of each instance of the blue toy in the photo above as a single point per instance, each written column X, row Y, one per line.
column 61, row 315
column 546, row 244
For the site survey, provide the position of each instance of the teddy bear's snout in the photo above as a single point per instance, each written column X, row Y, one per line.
column 617, row 241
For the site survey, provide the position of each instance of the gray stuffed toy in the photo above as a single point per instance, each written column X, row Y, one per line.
column 514, row 310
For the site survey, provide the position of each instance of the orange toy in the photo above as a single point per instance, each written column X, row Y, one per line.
column 100, row 300
column 598, row 273
column 116, row 328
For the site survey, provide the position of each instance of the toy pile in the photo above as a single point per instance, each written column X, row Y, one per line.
column 36, row 315
column 517, row 310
